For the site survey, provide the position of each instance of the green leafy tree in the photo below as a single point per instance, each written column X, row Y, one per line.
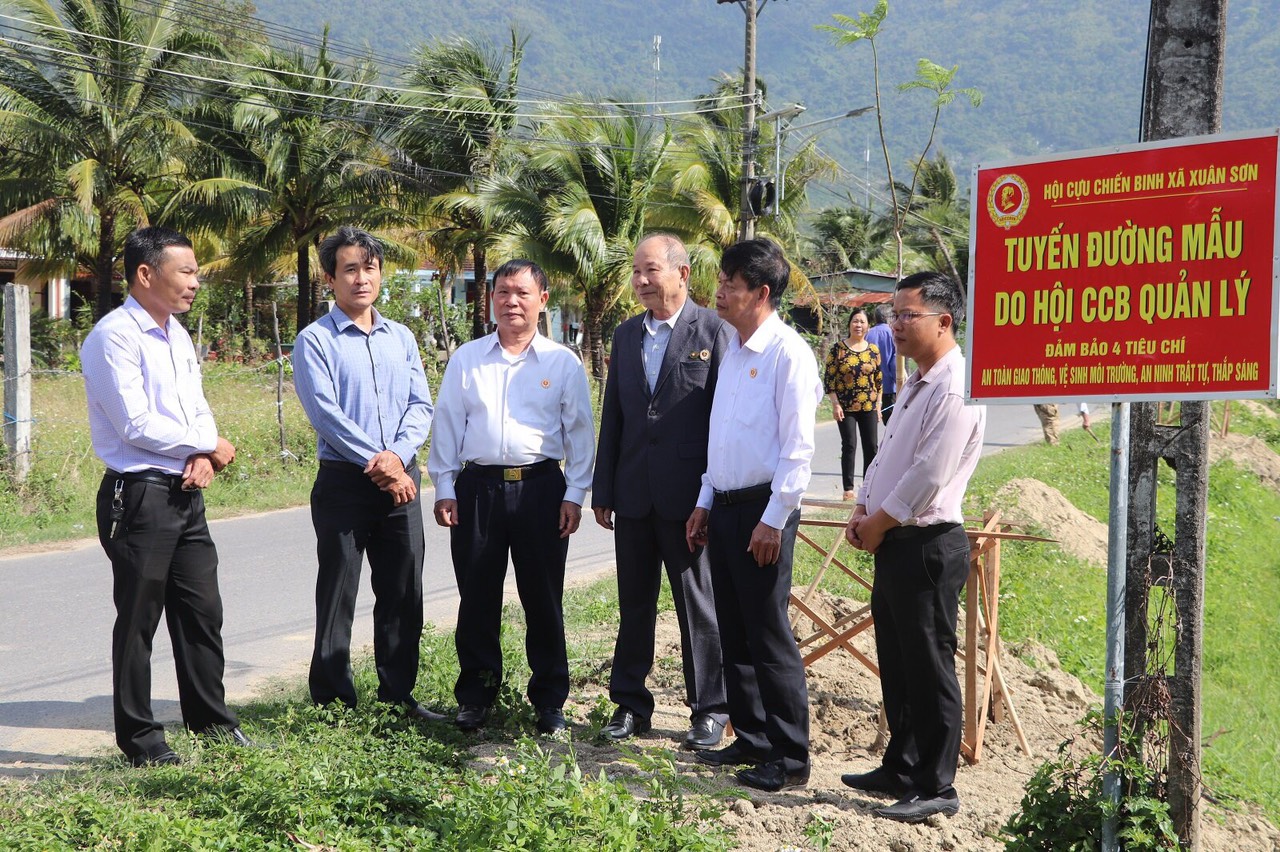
column 90, row 114
column 937, row 222
column 930, row 77
column 462, row 111
column 295, row 152
column 579, row 205
column 841, row 239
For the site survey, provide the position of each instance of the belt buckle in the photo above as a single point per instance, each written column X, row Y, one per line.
column 513, row 474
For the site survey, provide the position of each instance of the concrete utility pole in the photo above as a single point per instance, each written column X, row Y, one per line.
column 1182, row 97
column 17, row 379
column 747, row 225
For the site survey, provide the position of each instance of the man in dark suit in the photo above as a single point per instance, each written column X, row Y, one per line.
column 649, row 465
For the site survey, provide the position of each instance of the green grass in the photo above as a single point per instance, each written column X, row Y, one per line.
column 369, row 779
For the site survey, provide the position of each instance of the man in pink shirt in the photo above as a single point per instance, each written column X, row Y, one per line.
column 910, row 515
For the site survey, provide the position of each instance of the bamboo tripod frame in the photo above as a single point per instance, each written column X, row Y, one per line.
column 985, row 689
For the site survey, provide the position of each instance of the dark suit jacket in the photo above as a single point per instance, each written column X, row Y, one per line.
column 653, row 448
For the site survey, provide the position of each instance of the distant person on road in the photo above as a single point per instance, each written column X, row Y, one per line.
column 909, row 514
column 1048, row 415
column 852, row 379
column 152, row 428
column 652, row 453
column 882, row 336
column 360, row 380
column 748, row 512
column 513, row 405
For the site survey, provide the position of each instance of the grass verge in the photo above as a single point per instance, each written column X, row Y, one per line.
column 371, row 779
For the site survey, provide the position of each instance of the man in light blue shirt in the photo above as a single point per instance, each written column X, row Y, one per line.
column 360, row 380
column 882, row 336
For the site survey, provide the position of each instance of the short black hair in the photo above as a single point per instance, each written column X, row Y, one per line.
column 857, row 309
column 348, row 235
column 518, row 265
column 760, row 262
column 939, row 292
column 147, row 245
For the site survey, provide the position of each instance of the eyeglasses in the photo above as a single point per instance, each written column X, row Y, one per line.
column 908, row 317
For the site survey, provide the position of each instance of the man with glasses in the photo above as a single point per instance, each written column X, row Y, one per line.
column 909, row 514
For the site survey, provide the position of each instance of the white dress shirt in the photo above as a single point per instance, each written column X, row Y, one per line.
column 147, row 409
column 511, row 410
column 762, row 419
column 929, row 451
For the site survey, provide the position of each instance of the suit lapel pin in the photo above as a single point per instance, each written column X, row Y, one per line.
column 705, row 355
column 693, row 356
column 546, row 383
column 753, row 372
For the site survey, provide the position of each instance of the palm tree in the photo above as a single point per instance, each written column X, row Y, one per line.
column 462, row 111
column 89, row 111
column 297, row 155
column 935, row 221
column 580, row 203
column 841, row 239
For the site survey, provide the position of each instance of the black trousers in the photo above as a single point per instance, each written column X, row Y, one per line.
column 866, row 425
column 643, row 545
column 352, row 518
column 886, row 406
column 763, row 673
column 520, row 519
column 915, row 600
column 162, row 559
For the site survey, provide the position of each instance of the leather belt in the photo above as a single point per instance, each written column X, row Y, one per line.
column 512, row 474
column 156, row 477
column 750, row 494
column 913, row 531
column 345, row 467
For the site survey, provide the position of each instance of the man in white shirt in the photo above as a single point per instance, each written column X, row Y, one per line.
column 748, row 511
column 152, row 428
column 512, row 406
column 910, row 515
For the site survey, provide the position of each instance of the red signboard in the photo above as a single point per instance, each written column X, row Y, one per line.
column 1139, row 273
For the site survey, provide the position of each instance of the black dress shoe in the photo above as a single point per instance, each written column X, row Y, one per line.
column 624, row 725
column 916, row 808
column 705, row 733
column 879, row 780
column 734, row 754
column 551, row 721
column 772, row 777
column 234, row 735
column 160, row 755
column 417, row 711
column 471, row 717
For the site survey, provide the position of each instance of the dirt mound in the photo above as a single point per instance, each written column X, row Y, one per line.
column 1031, row 502
column 1249, row 453
column 844, row 699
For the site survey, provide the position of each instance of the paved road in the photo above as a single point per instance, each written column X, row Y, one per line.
column 56, row 614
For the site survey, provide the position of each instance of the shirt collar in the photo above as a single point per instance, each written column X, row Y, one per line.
column 765, row 334
column 144, row 320
column 538, row 345
column 342, row 322
column 651, row 323
column 943, row 366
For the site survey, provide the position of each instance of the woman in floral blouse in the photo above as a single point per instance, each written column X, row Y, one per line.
column 852, row 381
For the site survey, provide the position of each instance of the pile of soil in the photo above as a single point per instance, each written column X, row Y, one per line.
column 1248, row 453
column 1032, row 504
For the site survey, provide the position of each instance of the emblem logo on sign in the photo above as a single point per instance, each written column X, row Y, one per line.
column 1008, row 200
